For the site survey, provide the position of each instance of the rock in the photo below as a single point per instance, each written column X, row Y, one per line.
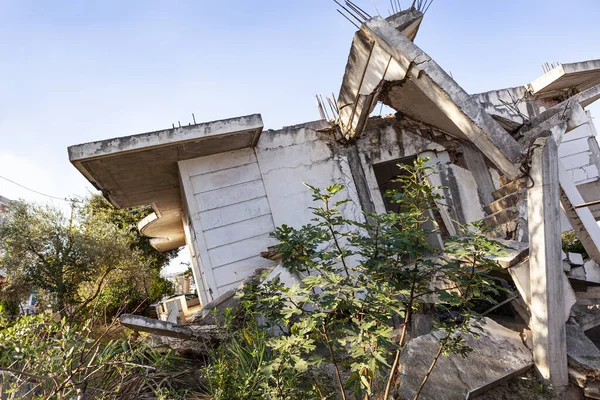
column 498, row 353
column 575, row 258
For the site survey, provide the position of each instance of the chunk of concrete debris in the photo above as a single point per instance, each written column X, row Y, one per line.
column 578, row 273
column 513, row 253
column 583, row 355
column 575, row 258
column 587, row 316
column 155, row 326
column 169, row 329
column 592, row 271
column 498, row 354
column 520, row 275
column 584, row 361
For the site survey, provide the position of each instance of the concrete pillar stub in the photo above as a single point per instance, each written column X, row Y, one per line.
column 547, row 297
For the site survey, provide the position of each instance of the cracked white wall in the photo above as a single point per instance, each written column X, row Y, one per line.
column 292, row 156
column 236, row 199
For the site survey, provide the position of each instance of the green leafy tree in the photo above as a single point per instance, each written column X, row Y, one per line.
column 93, row 255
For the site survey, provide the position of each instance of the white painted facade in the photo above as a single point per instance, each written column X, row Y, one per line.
column 234, row 200
column 580, row 154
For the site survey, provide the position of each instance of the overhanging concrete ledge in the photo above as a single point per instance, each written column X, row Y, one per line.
column 579, row 76
column 142, row 169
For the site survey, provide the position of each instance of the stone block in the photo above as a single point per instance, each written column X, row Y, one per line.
column 575, row 258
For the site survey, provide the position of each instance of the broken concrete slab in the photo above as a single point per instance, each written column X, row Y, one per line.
column 142, row 169
column 367, row 67
column 520, row 275
column 592, row 271
column 155, row 326
column 583, row 355
column 514, row 253
column 497, row 353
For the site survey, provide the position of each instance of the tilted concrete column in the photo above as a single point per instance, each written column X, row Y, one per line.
column 547, row 298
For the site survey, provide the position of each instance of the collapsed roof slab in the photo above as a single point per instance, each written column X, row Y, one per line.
column 574, row 77
column 453, row 102
column 142, row 169
column 386, row 60
column 366, row 69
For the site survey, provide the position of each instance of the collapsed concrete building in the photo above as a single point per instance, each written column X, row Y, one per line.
column 525, row 160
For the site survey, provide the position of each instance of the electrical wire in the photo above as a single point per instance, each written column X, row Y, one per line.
column 32, row 190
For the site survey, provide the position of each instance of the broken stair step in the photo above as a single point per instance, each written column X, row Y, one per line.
column 514, row 253
column 507, row 189
column 501, row 217
column 503, row 203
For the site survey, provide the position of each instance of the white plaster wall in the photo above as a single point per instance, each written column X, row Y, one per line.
column 579, row 153
column 292, row 156
column 230, row 217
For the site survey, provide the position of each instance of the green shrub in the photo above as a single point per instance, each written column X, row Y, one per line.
column 44, row 358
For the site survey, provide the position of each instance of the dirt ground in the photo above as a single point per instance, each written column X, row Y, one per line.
column 528, row 387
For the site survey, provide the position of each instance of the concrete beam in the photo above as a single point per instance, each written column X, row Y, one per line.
column 588, row 96
column 547, row 298
column 556, row 122
column 457, row 107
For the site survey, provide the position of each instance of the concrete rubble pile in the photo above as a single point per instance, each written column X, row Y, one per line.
column 525, row 160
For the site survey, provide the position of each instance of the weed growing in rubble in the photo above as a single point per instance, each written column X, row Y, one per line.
column 332, row 334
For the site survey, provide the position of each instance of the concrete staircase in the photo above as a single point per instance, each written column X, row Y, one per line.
column 502, row 214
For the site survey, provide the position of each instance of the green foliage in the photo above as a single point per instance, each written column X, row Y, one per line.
column 572, row 244
column 94, row 257
column 44, row 358
column 355, row 278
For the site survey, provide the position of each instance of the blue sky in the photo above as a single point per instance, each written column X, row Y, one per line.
column 76, row 71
